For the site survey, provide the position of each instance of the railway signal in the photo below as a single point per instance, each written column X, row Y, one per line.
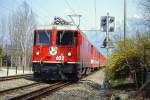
column 107, row 25
column 104, row 43
column 111, row 23
column 103, row 23
column 107, row 43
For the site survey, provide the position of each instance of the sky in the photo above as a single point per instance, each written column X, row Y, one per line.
column 46, row 10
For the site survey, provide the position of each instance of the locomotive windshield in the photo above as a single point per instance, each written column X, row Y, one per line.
column 44, row 37
column 67, row 38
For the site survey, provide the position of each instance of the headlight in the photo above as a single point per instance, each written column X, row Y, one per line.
column 53, row 51
column 69, row 54
column 38, row 53
column 92, row 61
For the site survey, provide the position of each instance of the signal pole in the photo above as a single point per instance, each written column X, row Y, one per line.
column 106, row 78
column 107, row 25
column 107, row 48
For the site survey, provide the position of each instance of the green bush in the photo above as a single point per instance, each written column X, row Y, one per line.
column 124, row 62
column 126, row 59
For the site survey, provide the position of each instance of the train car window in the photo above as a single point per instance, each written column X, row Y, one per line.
column 44, row 37
column 82, row 42
column 67, row 38
column 92, row 49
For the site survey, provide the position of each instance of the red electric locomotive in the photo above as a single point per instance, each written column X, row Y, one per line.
column 62, row 52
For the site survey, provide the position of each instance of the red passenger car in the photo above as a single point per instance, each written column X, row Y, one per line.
column 62, row 52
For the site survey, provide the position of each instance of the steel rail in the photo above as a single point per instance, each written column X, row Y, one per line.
column 41, row 92
column 17, row 88
column 6, row 78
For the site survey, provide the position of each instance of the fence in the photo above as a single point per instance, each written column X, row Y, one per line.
column 14, row 66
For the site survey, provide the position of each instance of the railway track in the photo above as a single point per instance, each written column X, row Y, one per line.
column 6, row 78
column 21, row 90
column 41, row 92
column 34, row 91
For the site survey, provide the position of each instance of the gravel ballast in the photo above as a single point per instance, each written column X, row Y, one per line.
column 88, row 88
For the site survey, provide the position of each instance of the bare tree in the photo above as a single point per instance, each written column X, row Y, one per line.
column 2, row 31
column 20, row 26
column 145, row 4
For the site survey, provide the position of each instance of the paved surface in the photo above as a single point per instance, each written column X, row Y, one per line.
column 12, row 71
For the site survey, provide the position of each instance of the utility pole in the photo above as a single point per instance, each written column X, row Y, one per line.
column 125, row 30
column 95, row 11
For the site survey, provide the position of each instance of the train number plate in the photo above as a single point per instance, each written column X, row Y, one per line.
column 59, row 57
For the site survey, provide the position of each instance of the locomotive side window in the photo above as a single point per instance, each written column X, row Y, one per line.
column 34, row 38
column 44, row 37
column 67, row 38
